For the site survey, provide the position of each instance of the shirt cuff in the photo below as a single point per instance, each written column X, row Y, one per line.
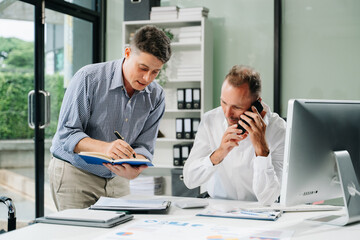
column 208, row 162
column 144, row 151
column 263, row 163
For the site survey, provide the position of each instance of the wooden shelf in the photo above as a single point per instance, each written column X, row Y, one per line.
column 182, row 111
column 173, row 140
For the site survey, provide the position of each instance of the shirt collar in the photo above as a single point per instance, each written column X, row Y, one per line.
column 118, row 80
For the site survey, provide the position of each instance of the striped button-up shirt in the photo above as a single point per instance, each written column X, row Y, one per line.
column 96, row 103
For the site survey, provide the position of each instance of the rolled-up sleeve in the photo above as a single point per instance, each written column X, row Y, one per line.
column 74, row 113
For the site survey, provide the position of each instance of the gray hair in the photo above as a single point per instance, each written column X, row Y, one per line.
column 240, row 74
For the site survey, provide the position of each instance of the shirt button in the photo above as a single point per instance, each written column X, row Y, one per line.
column 126, row 120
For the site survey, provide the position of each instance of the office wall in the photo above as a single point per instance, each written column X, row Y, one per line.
column 243, row 34
column 113, row 36
column 320, row 50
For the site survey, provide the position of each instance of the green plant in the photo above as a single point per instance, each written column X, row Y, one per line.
column 17, row 53
column 162, row 78
column 55, row 85
column 14, row 88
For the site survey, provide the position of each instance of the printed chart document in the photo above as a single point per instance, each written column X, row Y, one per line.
column 158, row 229
column 120, row 204
column 86, row 217
column 99, row 158
column 241, row 214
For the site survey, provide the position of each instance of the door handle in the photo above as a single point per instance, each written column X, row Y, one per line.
column 46, row 109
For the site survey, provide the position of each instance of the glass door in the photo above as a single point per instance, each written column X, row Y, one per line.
column 68, row 47
column 17, row 79
column 38, row 56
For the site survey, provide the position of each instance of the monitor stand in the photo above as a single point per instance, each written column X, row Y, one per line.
column 350, row 189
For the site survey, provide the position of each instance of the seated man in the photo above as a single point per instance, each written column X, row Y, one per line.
column 232, row 163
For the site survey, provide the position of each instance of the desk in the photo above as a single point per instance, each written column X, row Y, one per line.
column 289, row 221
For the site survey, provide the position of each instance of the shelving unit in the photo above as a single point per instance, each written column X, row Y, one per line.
column 199, row 53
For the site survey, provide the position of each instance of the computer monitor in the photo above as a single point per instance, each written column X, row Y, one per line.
column 315, row 129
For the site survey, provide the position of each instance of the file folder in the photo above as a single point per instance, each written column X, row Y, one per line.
column 177, row 155
column 188, row 98
column 187, row 128
column 196, row 98
column 194, row 126
column 86, row 217
column 179, row 126
column 151, row 206
column 181, row 98
column 185, row 151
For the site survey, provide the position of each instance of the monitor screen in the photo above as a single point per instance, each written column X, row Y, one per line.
column 315, row 129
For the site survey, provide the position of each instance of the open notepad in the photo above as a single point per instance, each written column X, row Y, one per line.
column 86, row 217
column 99, row 158
column 133, row 206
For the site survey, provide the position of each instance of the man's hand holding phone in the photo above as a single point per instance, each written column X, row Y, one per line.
column 255, row 126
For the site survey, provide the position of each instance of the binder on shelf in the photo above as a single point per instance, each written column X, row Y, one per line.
column 181, row 98
column 185, row 151
column 177, row 155
column 196, row 98
column 187, row 128
column 194, row 126
column 179, row 126
column 188, row 98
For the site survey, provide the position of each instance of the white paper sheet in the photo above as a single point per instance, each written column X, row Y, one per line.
column 162, row 229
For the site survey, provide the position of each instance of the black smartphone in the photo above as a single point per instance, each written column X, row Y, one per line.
column 259, row 108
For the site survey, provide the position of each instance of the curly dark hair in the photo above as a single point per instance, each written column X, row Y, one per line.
column 240, row 74
column 153, row 40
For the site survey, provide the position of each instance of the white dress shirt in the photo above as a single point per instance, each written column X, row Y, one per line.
column 241, row 175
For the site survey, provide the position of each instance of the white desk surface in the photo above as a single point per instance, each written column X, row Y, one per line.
column 294, row 221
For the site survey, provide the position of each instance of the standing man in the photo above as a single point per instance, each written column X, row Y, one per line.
column 101, row 98
column 230, row 163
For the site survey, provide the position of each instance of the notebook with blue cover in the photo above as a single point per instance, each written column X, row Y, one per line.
column 99, row 159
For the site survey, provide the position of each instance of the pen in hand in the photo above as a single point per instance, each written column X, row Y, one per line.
column 117, row 134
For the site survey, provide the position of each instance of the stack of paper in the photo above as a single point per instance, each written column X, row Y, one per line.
column 189, row 73
column 189, row 34
column 164, row 13
column 147, row 185
column 133, row 206
column 193, row 13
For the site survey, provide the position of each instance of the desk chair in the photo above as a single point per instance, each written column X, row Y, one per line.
column 11, row 213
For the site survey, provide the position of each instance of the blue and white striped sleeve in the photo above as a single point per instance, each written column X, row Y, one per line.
column 75, row 112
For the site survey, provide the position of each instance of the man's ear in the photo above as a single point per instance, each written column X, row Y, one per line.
column 127, row 52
